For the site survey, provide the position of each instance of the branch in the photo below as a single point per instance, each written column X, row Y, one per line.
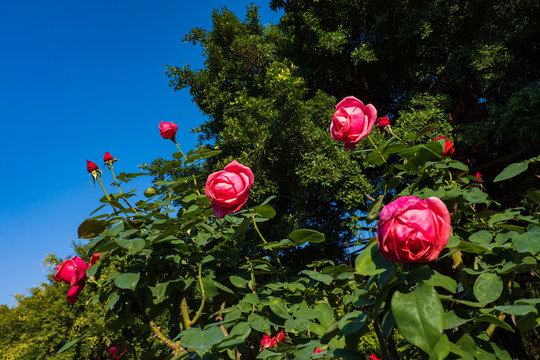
column 173, row 345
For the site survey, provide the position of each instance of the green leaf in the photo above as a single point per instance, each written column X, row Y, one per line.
column 242, row 330
column 419, row 316
column 257, row 322
column 371, row 262
column 528, row 242
column 200, row 340
column 481, row 237
column 278, row 307
column 265, row 211
column 456, row 318
column 69, row 344
column 374, row 209
column 327, row 314
column 425, row 130
column 441, row 349
column 132, row 245
column 517, row 309
column 89, row 229
column 302, row 236
column 127, row 280
column 488, row 287
column 512, row 170
column 151, row 191
column 534, row 196
column 495, row 320
column 352, row 322
column 238, row 281
column 476, row 196
column 432, row 277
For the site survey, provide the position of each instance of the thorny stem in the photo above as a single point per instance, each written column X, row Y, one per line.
column 173, row 345
column 185, row 159
column 271, row 250
column 185, row 313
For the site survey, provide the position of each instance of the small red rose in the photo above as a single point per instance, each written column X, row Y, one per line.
column 91, row 167
column 383, row 122
column 448, row 146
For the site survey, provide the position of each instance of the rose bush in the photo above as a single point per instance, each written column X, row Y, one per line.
column 168, row 130
column 73, row 272
column 413, row 230
column 228, row 189
column 352, row 121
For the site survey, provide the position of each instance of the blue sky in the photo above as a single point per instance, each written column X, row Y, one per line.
column 78, row 79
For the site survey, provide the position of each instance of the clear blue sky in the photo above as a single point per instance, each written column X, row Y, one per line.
column 77, row 79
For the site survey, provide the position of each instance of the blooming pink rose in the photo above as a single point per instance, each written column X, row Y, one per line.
column 448, row 146
column 73, row 272
column 383, row 122
column 228, row 188
column 91, row 167
column 114, row 352
column 352, row 121
column 413, row 230
column 168, row 130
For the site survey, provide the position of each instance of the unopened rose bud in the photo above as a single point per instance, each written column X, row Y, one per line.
column 168, row 130
column 91, row 167
column 383, row 122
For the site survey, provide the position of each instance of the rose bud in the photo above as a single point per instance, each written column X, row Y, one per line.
column 228, row 188
column 383, row 122
column 168, row 130
column 352, row 121
column 448, row 146
column 413, row 230
column 91, row 167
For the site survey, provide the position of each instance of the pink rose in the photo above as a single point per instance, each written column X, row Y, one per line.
column 448, row 146
column 383, row 122
column 228, row 188
column 168, row 130
column 413, row 230
column 268, row 341
column 317, row 351
column 352, row 121
column 73, row 272
column 91, row 167
column 373, row 357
